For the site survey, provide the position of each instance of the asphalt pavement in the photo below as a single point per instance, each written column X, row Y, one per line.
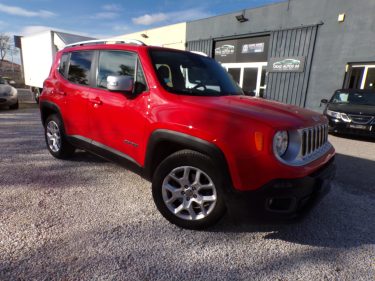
column 89, row 219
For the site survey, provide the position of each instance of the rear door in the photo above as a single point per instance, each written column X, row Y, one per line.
column 116, row 119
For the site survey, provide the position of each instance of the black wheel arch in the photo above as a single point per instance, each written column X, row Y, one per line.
column 47, row 108
column 163, row 143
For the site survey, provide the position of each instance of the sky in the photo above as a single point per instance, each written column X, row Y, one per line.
column 103, row 19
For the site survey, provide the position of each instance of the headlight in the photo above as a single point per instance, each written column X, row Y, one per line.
column 280, row 143
column 6, row 94
column 338, row 115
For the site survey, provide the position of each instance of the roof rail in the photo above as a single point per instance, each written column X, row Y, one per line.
column 106, row 41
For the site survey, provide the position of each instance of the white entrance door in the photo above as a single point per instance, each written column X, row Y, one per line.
column 249, row 76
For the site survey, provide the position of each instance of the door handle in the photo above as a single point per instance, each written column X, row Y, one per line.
column 96, row 101
column 58, row 93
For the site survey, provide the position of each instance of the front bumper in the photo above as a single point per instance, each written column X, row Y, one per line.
column 337, row 126
column 283, row 198
column 7, row 101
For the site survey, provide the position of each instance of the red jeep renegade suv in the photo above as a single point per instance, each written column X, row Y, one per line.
column 178, row 119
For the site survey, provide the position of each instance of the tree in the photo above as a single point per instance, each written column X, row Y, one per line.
column 4, row 46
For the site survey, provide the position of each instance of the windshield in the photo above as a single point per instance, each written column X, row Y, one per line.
column 3, row 81
column 191, row 74
column 359, row 98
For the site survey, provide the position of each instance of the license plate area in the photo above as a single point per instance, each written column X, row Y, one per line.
column 359, row 127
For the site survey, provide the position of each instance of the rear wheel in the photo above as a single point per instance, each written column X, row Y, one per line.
column 56, row 141
column 187, row 190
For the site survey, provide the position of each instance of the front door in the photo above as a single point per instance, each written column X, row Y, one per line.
column 249, row 76
column 117, row 119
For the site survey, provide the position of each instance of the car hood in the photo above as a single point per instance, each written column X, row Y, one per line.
column 273, row 113
column 5, row 88
column 352, row 108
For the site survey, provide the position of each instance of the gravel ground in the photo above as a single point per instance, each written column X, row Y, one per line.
column 88, row 219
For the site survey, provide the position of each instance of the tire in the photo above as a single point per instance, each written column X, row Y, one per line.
column 193, row 204
column 56, row 141
column 14, row 106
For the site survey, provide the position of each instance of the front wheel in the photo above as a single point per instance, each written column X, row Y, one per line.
column 14, row 106
column 56, row 141
column 187, row 190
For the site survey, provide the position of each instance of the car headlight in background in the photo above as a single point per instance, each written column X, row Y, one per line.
column 8, row 93
column 338, row 115
column 280, row 143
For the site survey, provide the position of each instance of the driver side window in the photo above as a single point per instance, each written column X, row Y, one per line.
column 119, row 63
column 114, row 63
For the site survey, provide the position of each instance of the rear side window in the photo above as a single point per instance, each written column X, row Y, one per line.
column 64, row 64
column 79, row 67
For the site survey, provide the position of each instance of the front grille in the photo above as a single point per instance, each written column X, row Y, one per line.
column 313, row 139
column 361, row 119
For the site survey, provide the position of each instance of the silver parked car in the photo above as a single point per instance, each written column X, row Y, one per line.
column 8, row 94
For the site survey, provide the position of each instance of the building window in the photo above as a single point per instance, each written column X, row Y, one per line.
column 360, row 76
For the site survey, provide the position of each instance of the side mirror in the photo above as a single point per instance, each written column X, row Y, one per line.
column 249, row 93
column 12, row 82
column 121, row 83
column 323, row 101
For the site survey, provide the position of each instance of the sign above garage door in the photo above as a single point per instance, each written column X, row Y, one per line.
column 242, row 50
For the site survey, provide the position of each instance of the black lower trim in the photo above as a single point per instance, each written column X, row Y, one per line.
column 162, row 139
column 283, row 198
column 80, row 142
column 106, row 152
column 46, row 107
column 166, row 138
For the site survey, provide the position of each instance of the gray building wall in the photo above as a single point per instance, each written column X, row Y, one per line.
column 336, row 43
column 291, row 87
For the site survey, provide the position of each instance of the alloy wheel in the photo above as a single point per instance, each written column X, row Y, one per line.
column 189, row 193
column 53, row 136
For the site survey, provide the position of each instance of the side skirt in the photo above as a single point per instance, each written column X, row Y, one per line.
column 107, row 153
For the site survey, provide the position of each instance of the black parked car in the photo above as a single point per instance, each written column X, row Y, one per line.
column 351, row 111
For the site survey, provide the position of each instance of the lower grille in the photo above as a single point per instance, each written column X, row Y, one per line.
column 361, row 119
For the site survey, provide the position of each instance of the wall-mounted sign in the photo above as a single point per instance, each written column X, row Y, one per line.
column 252, row 48
column 225, row 50
column 289, row 64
